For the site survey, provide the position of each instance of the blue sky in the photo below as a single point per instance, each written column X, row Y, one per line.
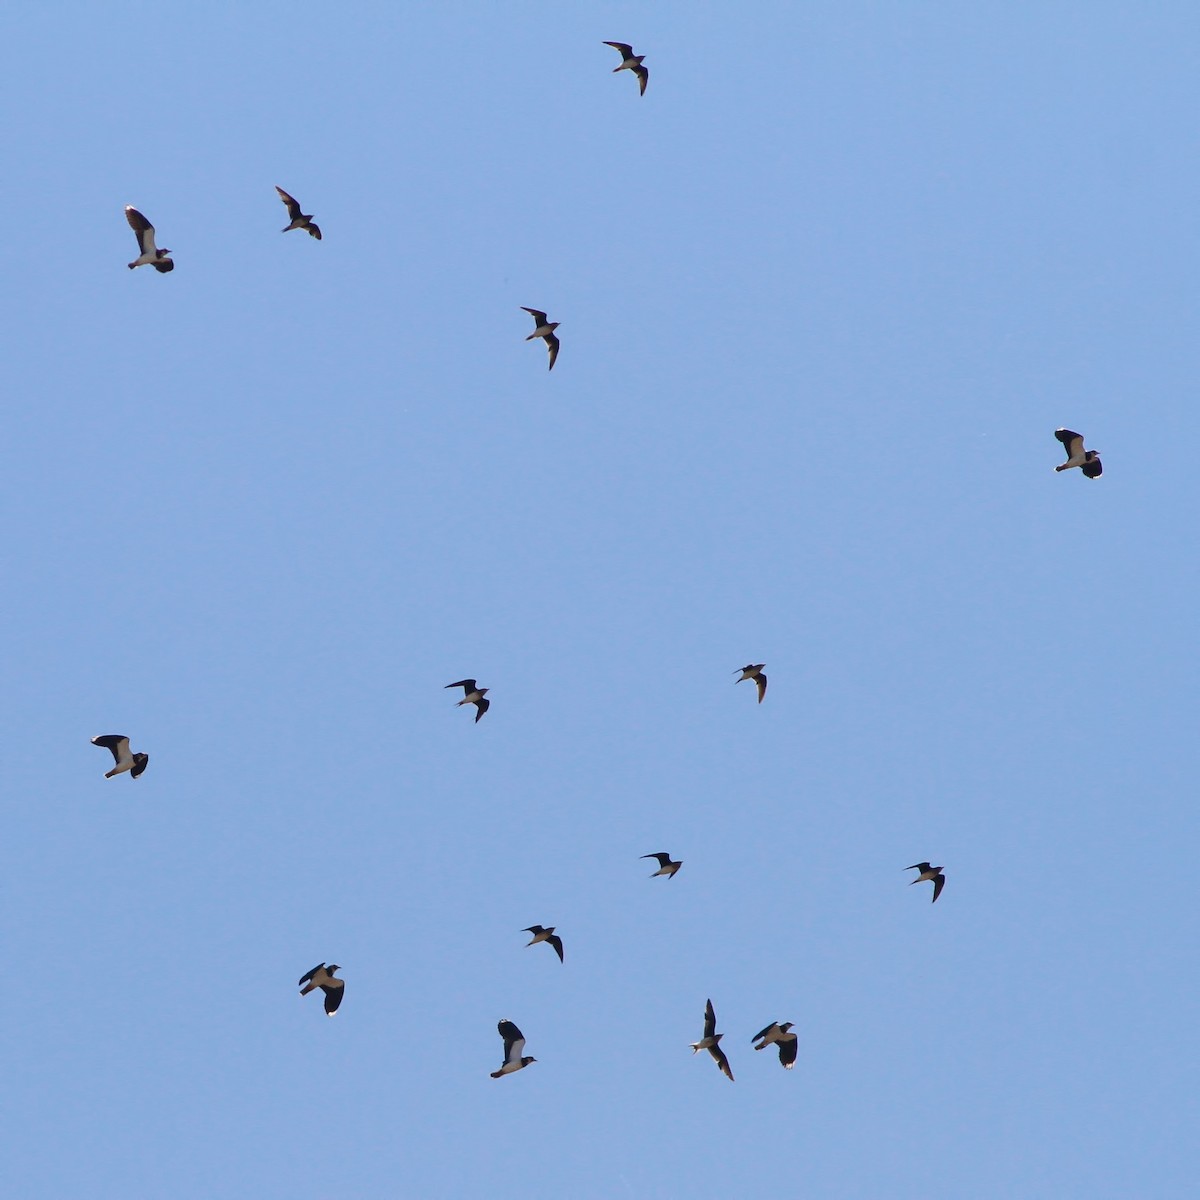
column 825, row 293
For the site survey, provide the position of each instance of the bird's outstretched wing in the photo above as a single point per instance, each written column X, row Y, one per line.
column 939, row 882
column 116, row 743
column 556, row 942
column 333, row 996
column 481, row 706
column 722, row 1061
column 625, row 48
column 787, row 1052
column 552, row 345
column 289, row 202
column 643, row 74
column 468, row 684
column 1092, row 468
column 710, row 1020
column 1072, row 442
column 514, row 1041
column 536, row 314
column 305, row 978
column 142, row 229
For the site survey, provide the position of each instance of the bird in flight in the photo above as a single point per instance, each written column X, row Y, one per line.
column 928, row 872
column 544, row 329
column 545, row 935
column 149, row 255
column 631, row 62
column 781, row 1036
column 711, row 1041
column 665, row 865
column 321, row 977
column 299, row 220
column 123, row 760
column 754, row 671
column 1088, row 461
column 514, row 1043
column 473, row 695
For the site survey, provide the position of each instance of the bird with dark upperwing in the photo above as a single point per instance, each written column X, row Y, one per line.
column 299, row 220
column 150, row 255
column 321, row 977
column 474, row 695
column 514, row 1043
column 753, row 671
column 117, row 744
column 631, row 62
column 545, row 935
column 781, row 1036
column 929, row 873
column 665, row 865
column 1088, row 461
column 544, row 329
column 711, row 1041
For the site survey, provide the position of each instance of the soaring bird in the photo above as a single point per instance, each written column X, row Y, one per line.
column 928, row 872
column 1088, row 461
column 711, row 1041
column 780, row 1036
column 299, row 220
column 631, row 62
column 321, row 977
column 514, row 1043
column 149, row 255
column 474, row 695
column 123, row 760
column 754, row 671
column 544, row 329
column 545, row 935
column 665, row 865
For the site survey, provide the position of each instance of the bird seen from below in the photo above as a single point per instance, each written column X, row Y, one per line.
column 545, row 935
column 753, row 671
column 514, row 1043
column 665, row 865
column 321, row 977
column 1088, row 461
column 544, row 329
column 631, row 62
column 123, row 760
column 711, row 1041
column 929, row 873
column 781, row 1036
column 298, row 219
column 474, row 695
column 148, row 254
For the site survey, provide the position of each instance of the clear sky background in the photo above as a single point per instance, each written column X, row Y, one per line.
column 826, row 291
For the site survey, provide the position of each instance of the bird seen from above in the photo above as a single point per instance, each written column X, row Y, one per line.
column 474, row 695
column 321, row 977
column 298, row 219
column 928, row 872
column 631, row 62
column 545, row 935
column 665, row 865
column 1088, row 461
column 754, row 671
column 711, row 1041
column 123, row 760
column 781, row 1036
column 148, row 254
column 514, row 1043
column 544, row 329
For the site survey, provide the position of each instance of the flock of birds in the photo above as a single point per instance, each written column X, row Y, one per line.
column 322, row 976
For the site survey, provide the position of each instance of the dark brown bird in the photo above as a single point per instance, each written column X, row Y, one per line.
column 754, row 671
column 545, row 935
column 928, row 872
column 544, row 329
column 298, row 219
column 711, row 1041
column 631, row 62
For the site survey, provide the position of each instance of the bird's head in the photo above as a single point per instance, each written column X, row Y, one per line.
column 483, row 691
column 553, row 324
column 331, row 968
column 786, row 1026
column 527, row 1060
